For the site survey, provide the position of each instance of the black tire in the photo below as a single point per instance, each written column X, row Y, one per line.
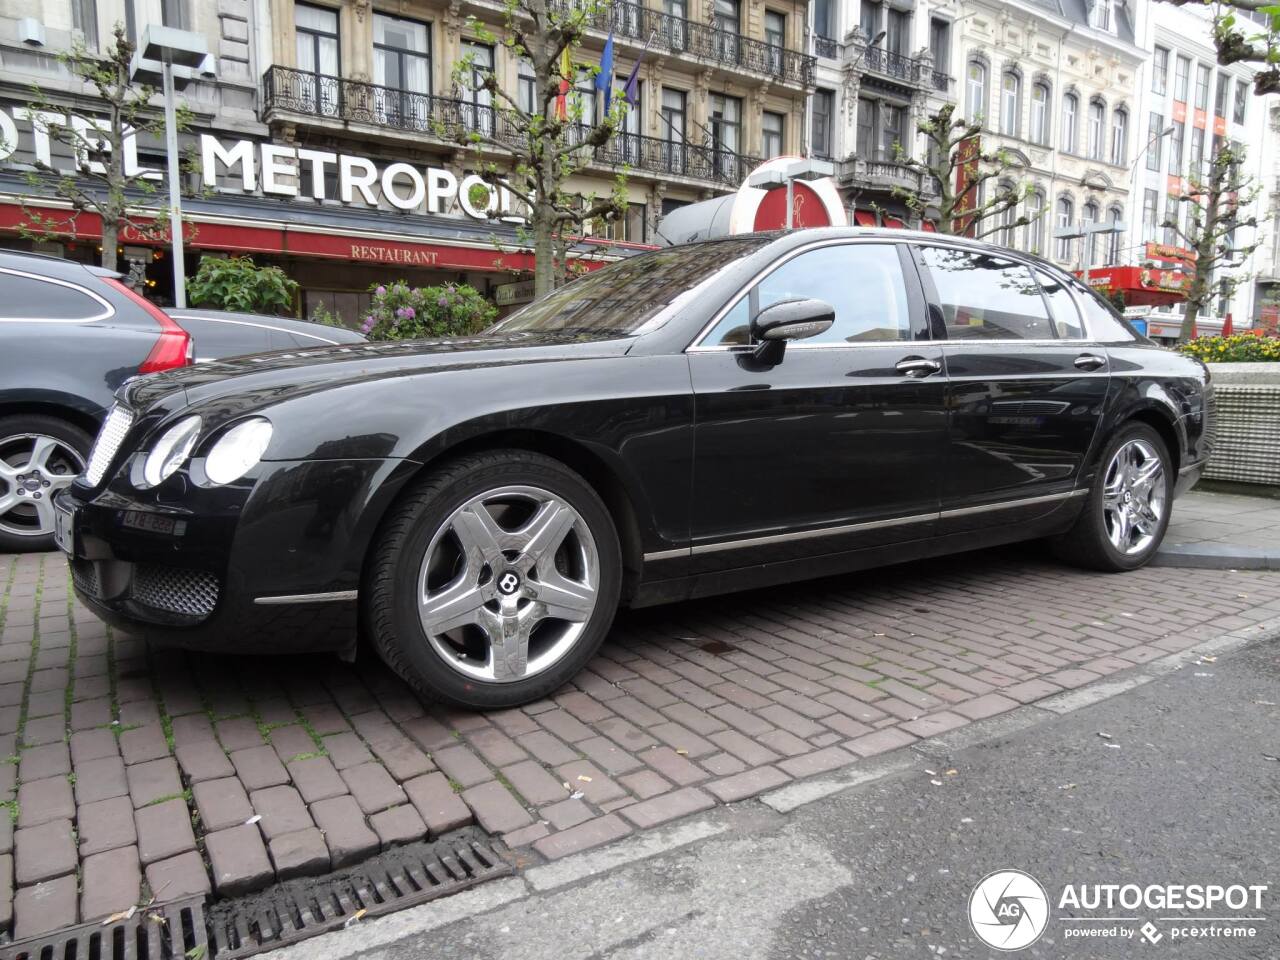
column 13, row 433
column 1087, row 543
column 389, row 606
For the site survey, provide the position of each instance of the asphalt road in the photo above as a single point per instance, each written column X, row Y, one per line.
column 1181, row 791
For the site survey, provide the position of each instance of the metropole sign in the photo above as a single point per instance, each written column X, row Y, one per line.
column 283, row 170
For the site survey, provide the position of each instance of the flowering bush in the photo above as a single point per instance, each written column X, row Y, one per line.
column 1239, row 348
column 402, row 312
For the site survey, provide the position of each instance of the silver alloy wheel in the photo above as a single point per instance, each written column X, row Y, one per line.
column 33, row 467
column 1133, row 496
column 508, row 583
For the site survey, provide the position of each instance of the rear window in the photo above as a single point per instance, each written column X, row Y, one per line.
column 24, row 297
column 985, row 297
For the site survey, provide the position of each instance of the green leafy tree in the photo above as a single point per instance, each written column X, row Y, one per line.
column 1247, row 31
column 101, row 183
column 237, row 283
column 989, row 195
column 1213, row 206
column 402, row 312
column 534, row 152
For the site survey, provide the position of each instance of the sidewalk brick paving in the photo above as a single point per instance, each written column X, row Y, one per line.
column 140, row 773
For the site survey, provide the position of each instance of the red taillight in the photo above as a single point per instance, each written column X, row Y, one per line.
column 172, row 348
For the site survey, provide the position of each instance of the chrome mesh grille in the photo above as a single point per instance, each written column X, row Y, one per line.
column 192, row 593
column 84, row 573
column 113, row 431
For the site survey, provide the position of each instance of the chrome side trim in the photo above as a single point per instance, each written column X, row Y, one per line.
column 332, row 597
column 702, row 548
column 257, row 326
column 1007, row 504
column 108, row 310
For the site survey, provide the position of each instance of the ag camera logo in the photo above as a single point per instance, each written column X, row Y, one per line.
column 1008, row 910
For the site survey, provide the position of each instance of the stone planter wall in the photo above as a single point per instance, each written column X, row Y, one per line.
column 1247, row 447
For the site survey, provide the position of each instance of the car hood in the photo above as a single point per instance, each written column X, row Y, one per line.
column 246, row 383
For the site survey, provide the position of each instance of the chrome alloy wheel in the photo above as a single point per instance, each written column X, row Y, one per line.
column 508, row 583
column 1134, row 496
column 33, row 467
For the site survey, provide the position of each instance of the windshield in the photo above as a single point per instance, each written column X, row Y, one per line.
column 620, row 298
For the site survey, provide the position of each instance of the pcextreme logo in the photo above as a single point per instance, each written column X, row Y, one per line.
column 1010, row 910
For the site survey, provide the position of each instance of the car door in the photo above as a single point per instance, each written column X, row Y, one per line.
column 835, row 448
column 1025, row 388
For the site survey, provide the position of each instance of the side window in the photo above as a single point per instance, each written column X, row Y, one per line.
column 29, row 298
column 1062, row 306
column 863, row 282
column 1104, row 325
column 985, row 297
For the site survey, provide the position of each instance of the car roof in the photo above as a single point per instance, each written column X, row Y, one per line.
column 50, row 264
column 290, row 325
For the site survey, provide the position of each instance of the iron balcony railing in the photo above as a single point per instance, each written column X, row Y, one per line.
column 665, row 31
column 319, row 95
column 890, row 64
column 882, row 174
column 826, row 47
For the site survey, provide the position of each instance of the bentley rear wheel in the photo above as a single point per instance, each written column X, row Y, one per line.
column 495, row 580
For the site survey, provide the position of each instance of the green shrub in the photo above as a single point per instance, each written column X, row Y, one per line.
column 402, row 312
column 236, row 283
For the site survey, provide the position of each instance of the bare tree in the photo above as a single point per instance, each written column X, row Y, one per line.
column 980, row 206
column 1213, row 215
column 104, row 181
column 1240, row 38
column 532, row 148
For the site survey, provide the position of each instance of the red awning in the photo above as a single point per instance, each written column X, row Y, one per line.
column 864, row 218
column 928, row 226
column 1142, row 286
column 894, row 222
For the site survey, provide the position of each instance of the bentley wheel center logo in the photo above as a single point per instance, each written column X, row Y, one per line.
column 1008, row 910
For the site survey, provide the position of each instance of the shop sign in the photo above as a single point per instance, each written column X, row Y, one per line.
column 1167, row 253
column 509, row 294
column 287, row 170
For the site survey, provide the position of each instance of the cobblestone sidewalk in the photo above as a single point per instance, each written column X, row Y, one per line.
column 139, row 774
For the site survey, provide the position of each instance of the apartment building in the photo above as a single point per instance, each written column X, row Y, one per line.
column 882, row 67
column 1054, row 83
column 1189, row 105
column 319, row 124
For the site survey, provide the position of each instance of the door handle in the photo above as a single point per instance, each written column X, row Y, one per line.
column 917, row 366
column 1090, row 361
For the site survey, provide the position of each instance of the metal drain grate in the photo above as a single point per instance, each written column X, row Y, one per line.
column 172, row 931
column 400, row 878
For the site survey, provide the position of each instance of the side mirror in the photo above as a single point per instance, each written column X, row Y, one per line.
column 785, row 320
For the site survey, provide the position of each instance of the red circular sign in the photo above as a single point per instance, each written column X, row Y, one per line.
column 808, row 209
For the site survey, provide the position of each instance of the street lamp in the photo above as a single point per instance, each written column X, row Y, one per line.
column 1159, row 136
column 170, row 47
column 807, row 169
column 1088, row 230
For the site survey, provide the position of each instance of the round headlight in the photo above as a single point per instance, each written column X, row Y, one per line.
column 238, row 451
column 170, row 451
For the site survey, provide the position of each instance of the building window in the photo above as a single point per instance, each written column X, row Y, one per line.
column 1097, row 123
column 726, row 17
column 316, row 39
column 676, row 33
column 1197, row 151
column 1034, row 212
column 1089, row 218
column 772, row 126
column 1220, row 95
column 1202, row 87
column 869, row 17
column 1008, row 217
column 673, row 129
column 1010, row 103
column 1171, row 210
column 84, row 17
column 823, row 109
column 1066, row 218
column 1160, row 71
column 866, row 145
column 1149, row 200
column 891, row 121
column 940, row 44
column 822, row 19
column 976, row 102
column 1070, row 107
column 1040, row 113
column 726, row 133
column 1113, row 238
column 1181, row 77
column 898, row 31
column 1100, row 15
column 174, row 13
column 402, row 54
column 775, row 35
column 1120, row 137
column 1155, row 142
column 1175, row 149
column 477, row 102
column 1242, row 102
column 527, row 88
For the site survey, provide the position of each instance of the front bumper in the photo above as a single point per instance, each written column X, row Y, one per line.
column 190, row 566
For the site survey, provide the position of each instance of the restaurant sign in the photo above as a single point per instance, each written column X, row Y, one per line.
column 281, row 170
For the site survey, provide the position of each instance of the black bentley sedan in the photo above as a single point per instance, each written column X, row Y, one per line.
column 706, row 418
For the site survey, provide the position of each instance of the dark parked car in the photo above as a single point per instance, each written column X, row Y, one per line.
column 700, row 419
column 222, row 333
column 70, row 335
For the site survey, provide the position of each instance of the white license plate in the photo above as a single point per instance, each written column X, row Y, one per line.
column 64, row 528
